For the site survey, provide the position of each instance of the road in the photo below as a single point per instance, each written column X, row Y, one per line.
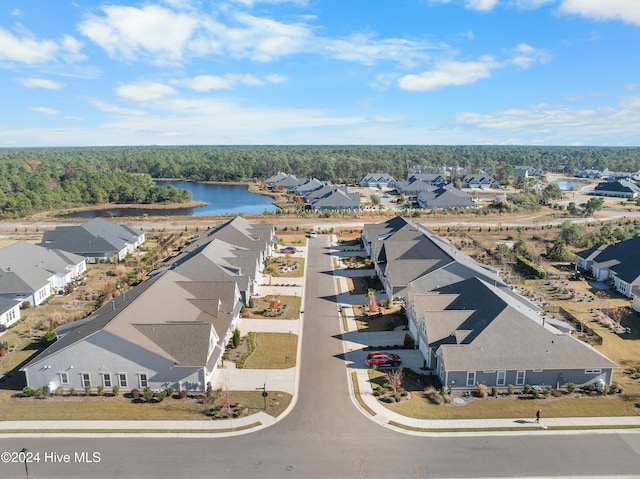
column 326, row 436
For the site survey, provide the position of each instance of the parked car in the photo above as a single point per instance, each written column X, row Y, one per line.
column 381, row 359
column 288, row 250
column 313, row 234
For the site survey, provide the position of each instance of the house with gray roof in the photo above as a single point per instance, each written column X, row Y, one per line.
column 472, row 332
column 9, row 312
column 284, row 181
column 335, row 199
column 98, row 240
column 31, row 273
column 171, row 330
column 617, row 263
column 308, row 186
column 617, row 189
column 419, row 183
column 378, row 180
column 445, row 197
column 525, row 171
column 470, row 325
column 479, row 181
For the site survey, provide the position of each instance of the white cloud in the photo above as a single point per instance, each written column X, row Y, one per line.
column 626, row 10
column 153, row 31
column 205, row 83
column 554, row 122
column 251, row 3
column 449, row 74
column 26, row 48
column 45, row 110
column 109, row 108
column 524, row 56
column 16, row 12
column 144, row 91
column 40, row 83
column 482, row 5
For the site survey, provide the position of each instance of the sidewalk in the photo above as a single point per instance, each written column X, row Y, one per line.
column 287, row 380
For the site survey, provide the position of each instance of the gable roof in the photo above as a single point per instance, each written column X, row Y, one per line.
column 97, row 236
column 622, row 258
column 484, row 328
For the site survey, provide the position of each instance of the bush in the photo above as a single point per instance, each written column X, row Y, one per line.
column 135, row 393
column 28, row 391
column 527, row 389
column 184, row 394
column 571, row 387
column 510, row 389
column 59, row 391
column 73, row 392
column 235, row 340
column 161, row 395
column 147, row 393
column 170, row 390
column 481, row 390
column 87, row 390
column 116, row 390
column 101, row 390
column 494, row 391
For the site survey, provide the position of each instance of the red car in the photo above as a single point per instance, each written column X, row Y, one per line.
column 382, row 359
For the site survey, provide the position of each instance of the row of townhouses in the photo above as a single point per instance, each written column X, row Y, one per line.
column 470, row 326
column 172, row 329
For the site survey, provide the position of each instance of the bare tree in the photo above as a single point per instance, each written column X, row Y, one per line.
column 394, row 377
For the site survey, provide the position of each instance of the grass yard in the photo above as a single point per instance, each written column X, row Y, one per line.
column 260, row 305
column 274, row 351
column 290, row 238
column 515, row 406
column 122, row 408
column 283, row 267
column 361, row 285
column 387, row 321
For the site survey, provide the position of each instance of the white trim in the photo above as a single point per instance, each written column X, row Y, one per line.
column 64, row 378
column 120, row 382
column 501, row 378
column 106, row 376
column 143, row 383
column 521, row 381
column 82, row 379
column 471, row 378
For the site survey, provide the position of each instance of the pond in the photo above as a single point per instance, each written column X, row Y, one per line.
column 570, row 185
column 220, row 199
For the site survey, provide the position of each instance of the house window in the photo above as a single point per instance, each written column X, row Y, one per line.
column 64, row 378
column 106, row 380
column 142, row 379
column 520, row 377
column 122, row 380
column 501, row 378
column 537, row 370
column 471, row 378
column 592, row 371
column 86, row 380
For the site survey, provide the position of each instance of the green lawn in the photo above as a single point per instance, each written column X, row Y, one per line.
column 261, row 304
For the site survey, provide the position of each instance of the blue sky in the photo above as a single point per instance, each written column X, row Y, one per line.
column 168, row 72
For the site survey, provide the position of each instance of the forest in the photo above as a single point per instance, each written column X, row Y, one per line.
column 41, row 179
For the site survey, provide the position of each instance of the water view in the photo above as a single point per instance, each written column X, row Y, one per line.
column 570, row 185
column 221, row 199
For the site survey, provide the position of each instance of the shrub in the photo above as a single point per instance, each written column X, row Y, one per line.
column 28, row 391
column 147, row 393
column 116, row 390
column 546, row 391
column 73, row 392
column 571, row 387
column 527, row 389
column 87, row 390
column 135, row 393
column 170, row 390
column 161, row 395
column 235, row 340
column 510, row 389
column 59, row 391
column 433, row 395
column 494, row 391
column 101, row 390
column 184, row 394
column 481, row 390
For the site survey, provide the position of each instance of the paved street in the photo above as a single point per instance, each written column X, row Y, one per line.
column 325, row 434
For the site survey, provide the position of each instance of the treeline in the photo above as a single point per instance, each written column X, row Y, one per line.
column 340, row 164
column 36, row 179
column 30, row 186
